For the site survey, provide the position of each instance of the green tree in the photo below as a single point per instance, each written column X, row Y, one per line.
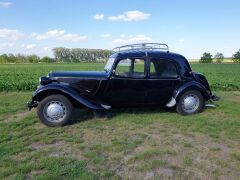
column 47, row 59
column 33, row 58
column 219, row 57
column 80, row 55
column 20, row 58
column 62, row 54
column 3, row 59
column 12, row 58
column 206, row 58
column 236, row 57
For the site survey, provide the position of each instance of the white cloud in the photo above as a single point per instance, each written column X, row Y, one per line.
column 16, row 48
column 98, row 17
column 34, row 34
column 49, row 34
column 6, row 45
column 130, row 16
column 72, row 37
column 123, row 35
column 30, row 46
column 46, row 48
column 180, row 40
column 125, row 39
column 105, row 35
column 6, row 4
column 11, row 34
column 59, row 35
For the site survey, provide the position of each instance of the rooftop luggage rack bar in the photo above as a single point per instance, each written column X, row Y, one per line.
column 142, row 46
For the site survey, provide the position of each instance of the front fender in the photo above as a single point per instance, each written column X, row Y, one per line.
column 192, row 85
column 64, row 90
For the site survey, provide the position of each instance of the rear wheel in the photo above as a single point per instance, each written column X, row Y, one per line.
column 54, row 110
column 191, row 102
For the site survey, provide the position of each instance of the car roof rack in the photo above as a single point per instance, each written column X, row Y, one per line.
column 142, row 46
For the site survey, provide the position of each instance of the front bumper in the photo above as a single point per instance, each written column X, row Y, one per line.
column 32, row 104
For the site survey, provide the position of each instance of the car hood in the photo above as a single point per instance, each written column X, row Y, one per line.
column 78, row 74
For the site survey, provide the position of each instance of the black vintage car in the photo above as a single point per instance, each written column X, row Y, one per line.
column 135, row 75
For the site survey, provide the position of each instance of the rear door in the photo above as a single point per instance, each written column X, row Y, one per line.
column 163, row 78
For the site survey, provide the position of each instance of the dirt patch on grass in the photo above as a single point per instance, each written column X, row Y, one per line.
column 16, row 116
column 58, row 149
column 39, row 145
column 35, row 173
column 165, row 173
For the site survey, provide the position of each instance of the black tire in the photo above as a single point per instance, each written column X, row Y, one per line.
column 68, row 108
column 196, row 94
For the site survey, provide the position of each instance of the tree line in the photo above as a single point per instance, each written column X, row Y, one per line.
column 61, row 55
column 68, row 55
column 219, row 57
column 20, row 58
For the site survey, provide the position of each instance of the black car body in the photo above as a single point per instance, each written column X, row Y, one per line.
column 135, row 75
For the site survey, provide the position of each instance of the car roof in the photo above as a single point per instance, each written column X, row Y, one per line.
column 181, row 60
column 150, row 53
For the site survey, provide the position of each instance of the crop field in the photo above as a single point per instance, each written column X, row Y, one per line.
column 18, row 77
column 141, row 143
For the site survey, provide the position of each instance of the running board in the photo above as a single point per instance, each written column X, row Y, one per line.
column 211, row 105
column 172, row 102
column 106, row 106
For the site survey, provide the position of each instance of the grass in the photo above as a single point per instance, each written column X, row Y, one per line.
column 13, row 102
column 187, row 160
column 133, row 144
column 236, row 155
column 151, row 165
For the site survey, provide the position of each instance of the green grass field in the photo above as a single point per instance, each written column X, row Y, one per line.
column 25, row 76
column 132, row 144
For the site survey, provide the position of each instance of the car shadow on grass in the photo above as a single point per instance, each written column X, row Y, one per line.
column 80, row 115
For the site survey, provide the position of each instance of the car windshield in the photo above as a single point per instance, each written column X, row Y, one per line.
column 109, row 64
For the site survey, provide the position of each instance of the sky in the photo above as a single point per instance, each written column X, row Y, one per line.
column 189, row 27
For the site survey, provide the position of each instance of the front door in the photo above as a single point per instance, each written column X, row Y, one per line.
column 128, row 84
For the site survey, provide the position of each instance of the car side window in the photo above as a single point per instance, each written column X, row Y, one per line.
column 161, row 68
column 134, row 68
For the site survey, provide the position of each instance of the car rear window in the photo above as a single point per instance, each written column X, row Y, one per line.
column 161, row 68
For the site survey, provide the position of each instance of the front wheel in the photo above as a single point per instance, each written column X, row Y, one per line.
column 54, row 110
column 191, row 102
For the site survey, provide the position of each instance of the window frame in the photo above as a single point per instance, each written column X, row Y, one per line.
column 132, row 77
column 163, row 59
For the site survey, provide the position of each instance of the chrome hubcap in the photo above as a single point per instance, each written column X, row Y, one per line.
column 190, row 103
column 55, row 111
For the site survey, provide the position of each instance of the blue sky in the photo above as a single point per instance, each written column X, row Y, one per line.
column 188, row 27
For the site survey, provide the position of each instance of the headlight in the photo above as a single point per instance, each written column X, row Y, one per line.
column 44, row 80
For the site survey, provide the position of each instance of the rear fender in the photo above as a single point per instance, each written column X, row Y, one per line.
column 193, row 85
column 44, row 91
